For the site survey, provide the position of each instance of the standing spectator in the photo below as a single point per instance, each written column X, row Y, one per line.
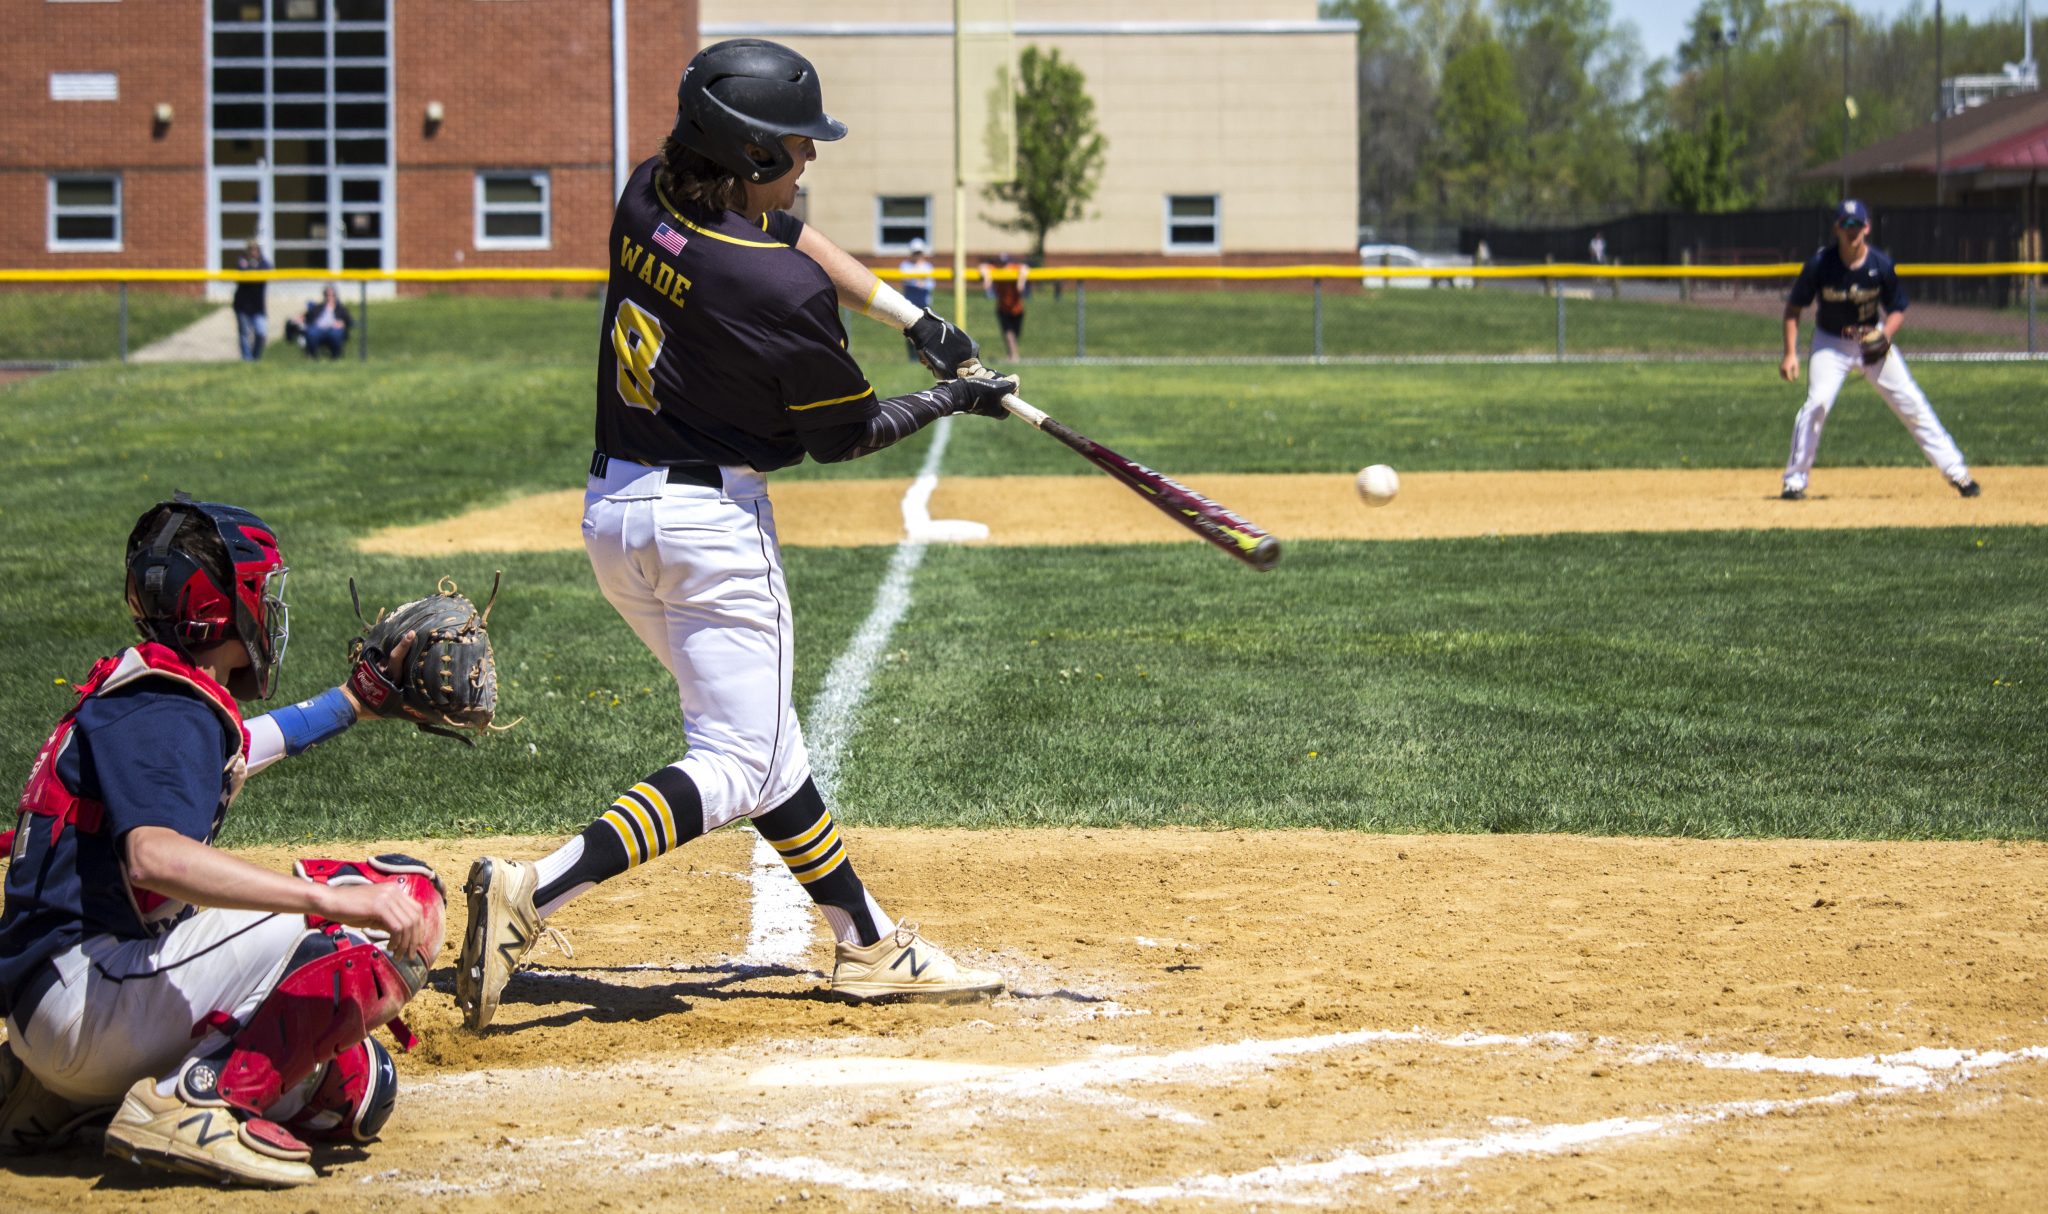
column 1009, row 294
column 1597, row 247
column 326, row 324
column 252, row 325
column 917, row 285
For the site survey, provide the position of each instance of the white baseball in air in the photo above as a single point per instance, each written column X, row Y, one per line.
column 1378, row 484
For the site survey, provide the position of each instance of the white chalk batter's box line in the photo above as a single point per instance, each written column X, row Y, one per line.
column 979, row 1092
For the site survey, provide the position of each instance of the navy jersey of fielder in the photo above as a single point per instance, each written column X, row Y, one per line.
column 1848, row 297
column 722, row 343
column 153, row 754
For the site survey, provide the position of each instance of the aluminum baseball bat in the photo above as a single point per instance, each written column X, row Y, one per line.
column 1219, row 525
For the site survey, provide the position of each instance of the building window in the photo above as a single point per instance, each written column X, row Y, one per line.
column 1194, row 223
column 85, row 213
column 900, row 220
column 512, row 210
column 85, row 86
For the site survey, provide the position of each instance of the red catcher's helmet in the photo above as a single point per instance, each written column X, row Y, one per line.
column 203, row 572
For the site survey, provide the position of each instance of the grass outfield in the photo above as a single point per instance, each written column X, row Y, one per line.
column 73, row 325
column 1823, row 684
column 1193, row 323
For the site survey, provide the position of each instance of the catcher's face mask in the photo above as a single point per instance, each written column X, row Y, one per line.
column 181, row 596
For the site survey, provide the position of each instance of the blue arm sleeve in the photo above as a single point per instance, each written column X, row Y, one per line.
column 1893, row 293
column 310, row 722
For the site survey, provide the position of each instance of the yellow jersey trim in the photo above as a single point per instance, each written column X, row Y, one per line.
column 837, row 400
column 704, row 231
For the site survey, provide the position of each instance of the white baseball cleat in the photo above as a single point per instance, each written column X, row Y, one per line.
column 502, row 928
column 904, row 965
column 211, row 1141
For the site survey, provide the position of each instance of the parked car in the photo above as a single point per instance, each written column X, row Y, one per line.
column 1399, row 256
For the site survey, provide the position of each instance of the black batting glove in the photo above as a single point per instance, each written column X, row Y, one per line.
column 941, row 346
column 981, row 396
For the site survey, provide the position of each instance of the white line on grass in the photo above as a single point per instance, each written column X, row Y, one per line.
column 782, row 922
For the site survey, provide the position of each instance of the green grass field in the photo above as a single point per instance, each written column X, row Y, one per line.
column 1199, row 321
column 78, row 325
column 1869, row 683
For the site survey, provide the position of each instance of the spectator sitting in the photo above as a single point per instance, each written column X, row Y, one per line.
column 325, row 324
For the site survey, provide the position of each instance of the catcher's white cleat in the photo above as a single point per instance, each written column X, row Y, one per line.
column 503, row 926
column 170, row 1133
column 904, row 965
column 32, row 1117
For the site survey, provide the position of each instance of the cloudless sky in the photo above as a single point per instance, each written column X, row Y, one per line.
column 1661, row 24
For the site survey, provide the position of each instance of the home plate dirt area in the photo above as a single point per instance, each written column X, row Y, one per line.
column 1230, row 1020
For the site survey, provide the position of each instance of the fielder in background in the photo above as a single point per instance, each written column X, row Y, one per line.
column 1009, row 292
column 1862, row 307
column 918, row 284
column 229, row 1036
column 723, row 359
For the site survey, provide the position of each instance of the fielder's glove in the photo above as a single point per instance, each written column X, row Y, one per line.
column 446, row 682
column 1875, row 345
column 940, row 346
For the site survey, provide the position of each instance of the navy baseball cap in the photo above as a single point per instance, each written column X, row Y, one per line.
column 1851, row 214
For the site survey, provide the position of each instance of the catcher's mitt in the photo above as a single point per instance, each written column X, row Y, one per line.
column 446, row 682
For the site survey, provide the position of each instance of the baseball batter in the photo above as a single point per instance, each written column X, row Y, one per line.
column 1862, row 307
column 228, row 1036
column 722, row 360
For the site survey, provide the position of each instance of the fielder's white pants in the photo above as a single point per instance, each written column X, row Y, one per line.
column 697, row 573
column 122, row 1010
column 1832, row 361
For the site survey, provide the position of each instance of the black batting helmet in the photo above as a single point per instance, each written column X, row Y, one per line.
column 203, row 572
column 748, row 91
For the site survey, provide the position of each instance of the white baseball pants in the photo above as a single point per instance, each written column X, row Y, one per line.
column 1832, row 361
column 122, row 1010
column 697, row 573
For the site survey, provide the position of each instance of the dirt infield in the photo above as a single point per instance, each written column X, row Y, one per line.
column 1209, row 1021
column 1094, row 509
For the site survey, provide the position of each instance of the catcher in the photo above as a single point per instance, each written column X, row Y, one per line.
column 232, row 1036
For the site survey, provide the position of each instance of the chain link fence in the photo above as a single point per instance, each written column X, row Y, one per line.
column 1140, row 315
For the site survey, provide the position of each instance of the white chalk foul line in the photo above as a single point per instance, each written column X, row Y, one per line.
column 781, row 912
column 1306, row 1182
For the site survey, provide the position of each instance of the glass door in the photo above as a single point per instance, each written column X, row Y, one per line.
column 299, row 106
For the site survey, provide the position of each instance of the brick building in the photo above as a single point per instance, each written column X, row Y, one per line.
column 347, row 133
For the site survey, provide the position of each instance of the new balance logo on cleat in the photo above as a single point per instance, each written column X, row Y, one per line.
column 917, row 968
column 205, row 1122
column 904, row 965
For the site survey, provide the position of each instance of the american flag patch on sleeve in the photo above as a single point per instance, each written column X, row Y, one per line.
column 670, row 239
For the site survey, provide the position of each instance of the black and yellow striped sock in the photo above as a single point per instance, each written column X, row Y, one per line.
column 657, row 815
column 801, row 830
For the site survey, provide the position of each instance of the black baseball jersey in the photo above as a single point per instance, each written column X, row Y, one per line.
column 1848, row 297
column 722, row 343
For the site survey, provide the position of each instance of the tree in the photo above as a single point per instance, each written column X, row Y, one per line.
column 1699, row 168
column 1482, row 130
column 1059, row 150
column 1396, row 108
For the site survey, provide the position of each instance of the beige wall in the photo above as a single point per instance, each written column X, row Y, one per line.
column 1268, row 120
